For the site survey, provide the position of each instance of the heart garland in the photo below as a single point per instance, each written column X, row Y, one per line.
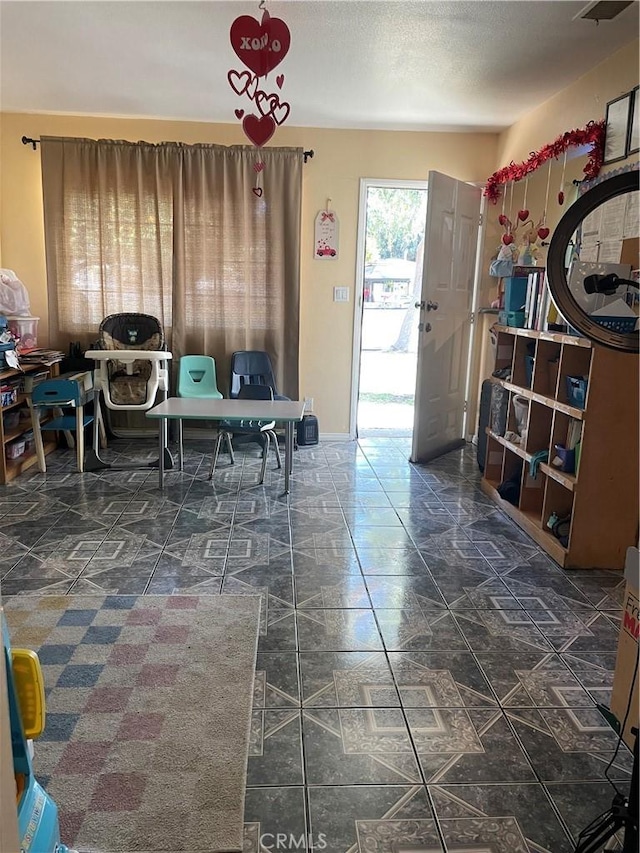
column 261, row 46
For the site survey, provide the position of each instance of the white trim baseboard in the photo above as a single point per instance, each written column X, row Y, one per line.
column 336, row 436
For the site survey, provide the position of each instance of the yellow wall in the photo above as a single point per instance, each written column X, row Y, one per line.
column 341, row 159
column 573, row 107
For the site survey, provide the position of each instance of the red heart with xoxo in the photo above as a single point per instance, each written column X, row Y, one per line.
column 259, row 129
column 261, row 46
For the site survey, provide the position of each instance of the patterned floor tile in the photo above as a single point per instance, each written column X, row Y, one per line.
column 347, row 679
column 371, row 818
column 274, row 814
column 353, row 746
column 499, row 819
column 337, row 630
column 569, row 744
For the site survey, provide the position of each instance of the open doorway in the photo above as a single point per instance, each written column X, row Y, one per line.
column 390, row 251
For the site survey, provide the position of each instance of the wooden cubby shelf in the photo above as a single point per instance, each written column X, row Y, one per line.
column 601, row 495
column 11, row 468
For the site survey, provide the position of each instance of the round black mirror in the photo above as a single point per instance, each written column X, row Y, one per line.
column 596, row 295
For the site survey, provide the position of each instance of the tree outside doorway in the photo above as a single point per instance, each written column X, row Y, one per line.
column 392, row 284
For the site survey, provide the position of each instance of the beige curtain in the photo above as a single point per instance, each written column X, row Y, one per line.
column 176, row 231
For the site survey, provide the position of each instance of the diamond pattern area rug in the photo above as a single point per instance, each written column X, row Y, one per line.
column 148, row 716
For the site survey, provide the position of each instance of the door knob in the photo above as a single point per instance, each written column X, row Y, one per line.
column 432, row 306
column 424, row 327
column 419, row 305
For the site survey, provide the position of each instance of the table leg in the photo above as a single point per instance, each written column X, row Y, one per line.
column 162, row 427
column 180, row 447
column 288, row 452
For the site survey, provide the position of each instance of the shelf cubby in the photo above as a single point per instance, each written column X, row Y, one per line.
column 532, row 493
column 539, row 429
column 524, row 348
column 545, row 377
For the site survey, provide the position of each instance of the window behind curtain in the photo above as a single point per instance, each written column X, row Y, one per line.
column 175, row 231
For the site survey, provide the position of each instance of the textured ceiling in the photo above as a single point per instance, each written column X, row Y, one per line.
column 352, row 64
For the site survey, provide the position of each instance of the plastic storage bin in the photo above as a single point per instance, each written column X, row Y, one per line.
column 10, row 420
column 16, row 448
column 26, row 329
column 515, row 319
column 576, row 391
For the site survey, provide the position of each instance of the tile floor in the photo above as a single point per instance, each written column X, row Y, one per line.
column 426, row 677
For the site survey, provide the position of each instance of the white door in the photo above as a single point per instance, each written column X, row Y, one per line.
column 451, row 249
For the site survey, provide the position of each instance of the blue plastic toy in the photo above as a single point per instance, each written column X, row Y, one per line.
column 38, row 827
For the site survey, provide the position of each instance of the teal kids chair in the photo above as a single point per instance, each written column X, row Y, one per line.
column 59, row 394
column 197, row 377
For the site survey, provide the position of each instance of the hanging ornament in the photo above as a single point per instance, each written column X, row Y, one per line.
column 561, row 192
column 258, row 168
column 261, row 46
column 543, row 231
column 523, row 214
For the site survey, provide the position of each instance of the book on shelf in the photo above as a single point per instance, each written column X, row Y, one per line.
column 41, row 356
column 536, row 305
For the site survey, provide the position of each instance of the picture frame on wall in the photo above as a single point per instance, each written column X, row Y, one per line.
column 617, row 129
column 633, row 143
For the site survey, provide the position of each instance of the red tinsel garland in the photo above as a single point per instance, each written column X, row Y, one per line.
column 593, row 133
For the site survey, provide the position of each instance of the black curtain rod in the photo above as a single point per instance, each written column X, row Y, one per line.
column 26, row 140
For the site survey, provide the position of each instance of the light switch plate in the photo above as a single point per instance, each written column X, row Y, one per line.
column 340, row 294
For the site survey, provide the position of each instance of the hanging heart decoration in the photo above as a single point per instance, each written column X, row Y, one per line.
column 507, row 239
column 239, row 81
column 560, row 197
column 260, row 45
column 523, row 215
column 502, row 219
column 259, row 129
column 543, row 233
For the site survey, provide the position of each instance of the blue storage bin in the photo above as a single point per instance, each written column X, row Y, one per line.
column 515, row 293
column 567, row 457
column 516, row 319
column 576, row 391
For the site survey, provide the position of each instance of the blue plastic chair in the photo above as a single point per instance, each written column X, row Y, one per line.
column 252, row 367
column 59, row 394
column 197, row 377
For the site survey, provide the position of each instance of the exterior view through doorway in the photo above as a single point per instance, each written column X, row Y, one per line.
column 390, row 263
